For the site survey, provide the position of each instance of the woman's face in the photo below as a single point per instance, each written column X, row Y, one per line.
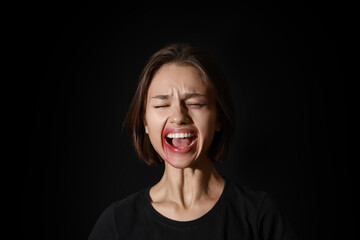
column 180, row 116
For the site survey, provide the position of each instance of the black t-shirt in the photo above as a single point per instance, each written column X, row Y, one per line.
column 240, row 213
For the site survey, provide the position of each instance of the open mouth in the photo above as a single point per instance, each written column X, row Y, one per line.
column 180, row 140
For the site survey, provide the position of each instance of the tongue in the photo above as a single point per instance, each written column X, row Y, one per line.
column 181, row 142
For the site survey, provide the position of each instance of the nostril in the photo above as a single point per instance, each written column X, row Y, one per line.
column 179, row 120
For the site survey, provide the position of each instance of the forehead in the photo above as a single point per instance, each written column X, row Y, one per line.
column 173, row 77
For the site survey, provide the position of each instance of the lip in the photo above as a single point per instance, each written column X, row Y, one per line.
column 178, row 130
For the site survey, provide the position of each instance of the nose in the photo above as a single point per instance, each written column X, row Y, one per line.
column 179, row 115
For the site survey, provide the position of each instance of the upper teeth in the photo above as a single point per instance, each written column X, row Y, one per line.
column 178, row 135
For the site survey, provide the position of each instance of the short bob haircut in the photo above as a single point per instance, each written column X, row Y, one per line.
column 182, row 54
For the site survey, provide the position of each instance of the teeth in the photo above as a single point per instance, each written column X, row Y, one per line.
column 178, row 135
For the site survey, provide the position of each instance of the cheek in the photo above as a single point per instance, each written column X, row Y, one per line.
column 154, row 126
column 206, row 123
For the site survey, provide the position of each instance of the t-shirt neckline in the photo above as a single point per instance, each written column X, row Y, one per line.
column 186, row 224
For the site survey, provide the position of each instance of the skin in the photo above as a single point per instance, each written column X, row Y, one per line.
column 178, row 99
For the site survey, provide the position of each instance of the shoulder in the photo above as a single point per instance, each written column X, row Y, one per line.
column 250, row 202
column 125, row 210
column 124, row 204
column 262, row 210
column 129, row 202
column 120, row 212
column 250, row 198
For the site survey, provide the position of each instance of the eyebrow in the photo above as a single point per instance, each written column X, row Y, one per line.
column 187, row 96
column 194, row 95
column 162, row 97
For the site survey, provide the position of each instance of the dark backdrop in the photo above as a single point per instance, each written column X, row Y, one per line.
column 284, row 63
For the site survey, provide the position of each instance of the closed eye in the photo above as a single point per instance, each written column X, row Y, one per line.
column 196, row 104
column 188, row 104
column 161, row 106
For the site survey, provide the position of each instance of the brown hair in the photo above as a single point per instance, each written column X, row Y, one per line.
column 186, row 55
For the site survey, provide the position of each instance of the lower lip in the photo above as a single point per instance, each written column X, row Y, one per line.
column 179, row 150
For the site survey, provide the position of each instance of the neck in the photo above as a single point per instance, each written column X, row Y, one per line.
column 187, row 186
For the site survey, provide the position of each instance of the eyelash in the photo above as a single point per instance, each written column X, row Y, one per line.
column 161, row 106
column 196, row 104
column 190, row 104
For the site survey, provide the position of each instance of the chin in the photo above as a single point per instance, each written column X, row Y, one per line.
column 180, row 162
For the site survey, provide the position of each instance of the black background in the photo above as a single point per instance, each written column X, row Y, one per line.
column 284, row 62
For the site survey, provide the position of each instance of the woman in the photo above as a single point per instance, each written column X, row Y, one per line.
column 182, row 115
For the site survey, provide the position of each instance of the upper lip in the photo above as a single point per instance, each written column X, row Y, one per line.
column 178, row 130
